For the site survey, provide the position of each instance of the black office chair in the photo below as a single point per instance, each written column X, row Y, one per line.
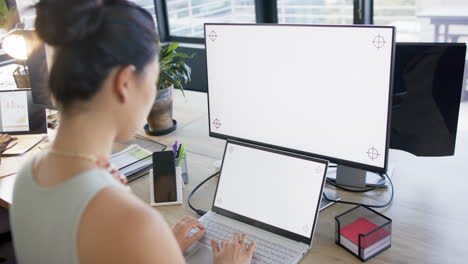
column 7, row 252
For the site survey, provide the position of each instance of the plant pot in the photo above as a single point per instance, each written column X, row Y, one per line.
column 160, row 120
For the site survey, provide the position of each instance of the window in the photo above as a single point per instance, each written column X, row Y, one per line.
column 183, row 20
column 315, row 11
column 402, row 15
column 424, row 20
column 187, row 17
column 148, row 5
column 27, row 14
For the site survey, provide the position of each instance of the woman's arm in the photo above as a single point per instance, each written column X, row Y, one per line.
column 116, row 227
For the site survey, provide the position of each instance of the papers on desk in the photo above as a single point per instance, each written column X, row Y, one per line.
column 23, row 144
column 10, row 166
column 7, row 81
column 132, row 159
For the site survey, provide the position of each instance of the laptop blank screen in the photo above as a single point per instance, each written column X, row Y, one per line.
column 276, row 189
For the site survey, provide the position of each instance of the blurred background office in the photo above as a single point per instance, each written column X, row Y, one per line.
column 415, row 20
column 182, row 20
column 411, row 17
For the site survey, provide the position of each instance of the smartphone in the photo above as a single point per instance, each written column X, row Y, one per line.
column 164, row 177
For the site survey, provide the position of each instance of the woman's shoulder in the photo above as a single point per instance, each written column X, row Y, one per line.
column 24, row 175
column 118, row 227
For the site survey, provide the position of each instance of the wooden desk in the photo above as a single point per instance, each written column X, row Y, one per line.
column 428, row 213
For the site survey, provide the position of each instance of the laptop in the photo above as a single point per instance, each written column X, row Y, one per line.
column 272, row 196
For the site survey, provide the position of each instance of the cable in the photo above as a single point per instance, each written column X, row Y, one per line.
column 199, row 211
column 202, row 212
column 368, row 205
column 338, row 186
column 352, row 190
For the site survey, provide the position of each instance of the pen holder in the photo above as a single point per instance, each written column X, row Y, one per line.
column 363, row 232
column 21, row 78
column 182, row 163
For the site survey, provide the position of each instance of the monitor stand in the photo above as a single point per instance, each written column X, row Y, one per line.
column 357, row 178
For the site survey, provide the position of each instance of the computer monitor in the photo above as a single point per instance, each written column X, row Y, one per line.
column 18, row 115
column 38, row 63
column 428, row 83
column 316, row 90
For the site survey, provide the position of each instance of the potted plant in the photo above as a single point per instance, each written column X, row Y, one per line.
column 174, row 73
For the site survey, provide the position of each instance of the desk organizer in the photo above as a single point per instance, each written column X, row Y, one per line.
column 363, row 232
column 182, row 163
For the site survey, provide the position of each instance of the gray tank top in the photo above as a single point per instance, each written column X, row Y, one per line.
column 45, row 221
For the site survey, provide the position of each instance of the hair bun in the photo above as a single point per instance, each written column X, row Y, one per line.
column 59, row 22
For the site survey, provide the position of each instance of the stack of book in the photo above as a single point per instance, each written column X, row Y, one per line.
column 371, row 242
column 132, row 160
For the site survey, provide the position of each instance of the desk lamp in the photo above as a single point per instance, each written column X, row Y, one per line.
column 15, row 45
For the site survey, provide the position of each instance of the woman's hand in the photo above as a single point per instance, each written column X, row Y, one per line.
column 4, row 141
column 103, row 163
column 236, row 251
column 182, row 228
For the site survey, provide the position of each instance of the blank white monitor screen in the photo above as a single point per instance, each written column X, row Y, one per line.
column 267, row 181
column 18, row 115
column 315, row 90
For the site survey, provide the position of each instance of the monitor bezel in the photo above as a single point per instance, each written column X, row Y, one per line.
column 39, row 48
column 343, row 162
column 437, row 44
column 259, row 224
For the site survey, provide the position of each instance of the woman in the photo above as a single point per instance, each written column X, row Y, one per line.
column 66, row 208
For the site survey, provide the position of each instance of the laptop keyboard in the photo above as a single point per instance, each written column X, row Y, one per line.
column 265, row 251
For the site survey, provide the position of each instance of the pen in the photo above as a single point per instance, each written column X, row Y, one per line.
column 182, row 152
column 174, row 147
column 178, row 151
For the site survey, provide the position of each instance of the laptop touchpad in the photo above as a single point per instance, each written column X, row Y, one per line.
column 202, row 255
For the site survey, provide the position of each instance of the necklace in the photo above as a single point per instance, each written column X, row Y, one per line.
column 91, row 158
column 83, row 156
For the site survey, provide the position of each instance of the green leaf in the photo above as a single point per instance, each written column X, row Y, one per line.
column 172, row 47
column 174, row 69
column 188, row 71
column 168, row 49
column 181, row 55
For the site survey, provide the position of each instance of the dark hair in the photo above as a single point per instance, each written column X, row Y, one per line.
column 91, row 37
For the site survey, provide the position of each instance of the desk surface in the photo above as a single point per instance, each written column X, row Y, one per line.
column 428, row 212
